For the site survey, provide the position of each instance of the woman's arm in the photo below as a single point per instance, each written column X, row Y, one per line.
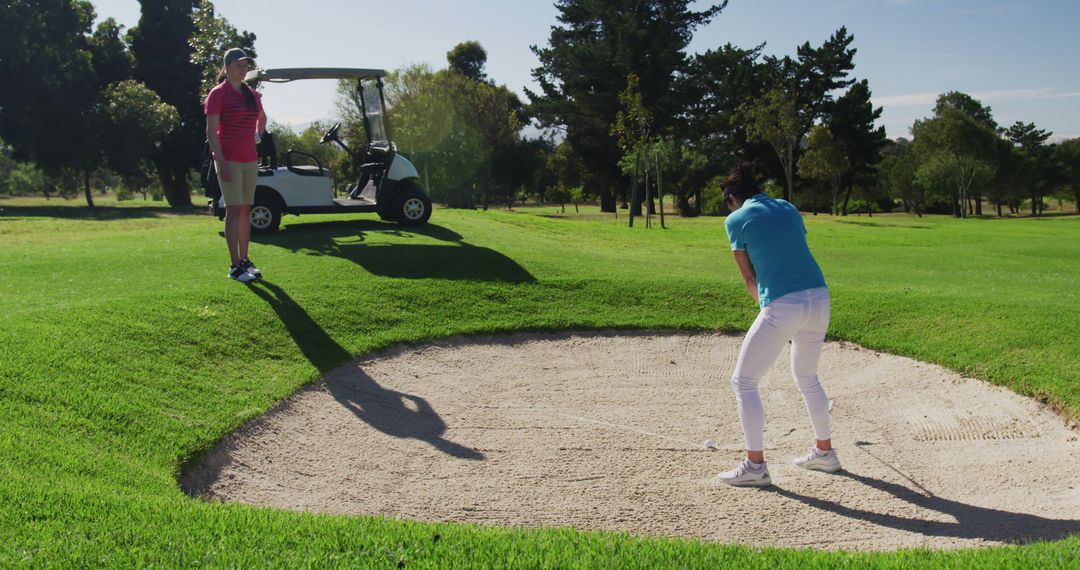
column 215, row 146
column 260, row 125
column 742, row 259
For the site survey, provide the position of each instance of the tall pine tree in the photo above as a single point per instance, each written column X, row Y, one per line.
column 584, row 67
column 852, row 123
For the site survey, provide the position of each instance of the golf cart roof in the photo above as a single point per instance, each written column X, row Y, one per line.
column 294, row 73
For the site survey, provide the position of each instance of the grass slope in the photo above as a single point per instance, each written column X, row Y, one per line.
column 125, row 352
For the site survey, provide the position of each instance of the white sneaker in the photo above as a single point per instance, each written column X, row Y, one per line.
column 744, row 475
column 818, row 460
column 240, row 274
column 250, row 267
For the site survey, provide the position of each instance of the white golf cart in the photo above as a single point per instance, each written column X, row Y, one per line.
column 388, row 183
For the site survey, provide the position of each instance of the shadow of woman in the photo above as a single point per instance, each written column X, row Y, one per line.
column 972, row 522
column 394, row 413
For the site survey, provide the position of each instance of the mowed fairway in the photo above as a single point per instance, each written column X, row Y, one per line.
column 125, row 353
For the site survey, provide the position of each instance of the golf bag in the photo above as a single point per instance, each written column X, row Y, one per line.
column 208, row 174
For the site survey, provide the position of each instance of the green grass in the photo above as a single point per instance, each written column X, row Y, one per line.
column 125, row 353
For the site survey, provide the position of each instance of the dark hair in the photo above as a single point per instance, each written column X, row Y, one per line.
column 740, row 183
column 249, row 95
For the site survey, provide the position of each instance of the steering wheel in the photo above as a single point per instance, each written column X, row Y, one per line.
column 331, row 134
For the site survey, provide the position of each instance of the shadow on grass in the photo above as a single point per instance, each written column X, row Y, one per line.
column 394, row 413
column 99, row 213
column 972, row 522
column 455, row 259
column 1042, row 216
column 881, row 225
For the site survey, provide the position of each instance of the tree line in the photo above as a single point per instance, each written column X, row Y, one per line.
column 621, row 102
column 628, row 103
column 961, row 157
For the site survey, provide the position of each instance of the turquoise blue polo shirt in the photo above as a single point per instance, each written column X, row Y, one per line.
column 773, row 235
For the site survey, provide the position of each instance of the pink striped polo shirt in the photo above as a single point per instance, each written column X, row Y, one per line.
column 236, row 127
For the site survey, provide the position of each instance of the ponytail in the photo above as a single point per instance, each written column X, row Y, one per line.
column 249, row 95
column 740, row 183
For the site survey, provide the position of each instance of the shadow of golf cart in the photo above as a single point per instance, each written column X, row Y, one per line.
column 387, row 184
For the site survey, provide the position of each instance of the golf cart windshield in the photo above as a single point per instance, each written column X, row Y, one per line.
column 368, row 80
column 371, row 98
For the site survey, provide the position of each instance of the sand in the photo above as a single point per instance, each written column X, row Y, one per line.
column 606, row 431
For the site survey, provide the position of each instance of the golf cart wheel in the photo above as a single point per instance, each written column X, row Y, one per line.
column 413, row 206
column 265, row 214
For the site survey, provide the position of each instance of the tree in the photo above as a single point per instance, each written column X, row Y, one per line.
column 852, row 123
column 778, row 120
column 811, row 78
column 817, row 73
column 137, row 120
column 962, row 170
column 7, row 165
column 577, row 196
column 522, row 165
column 560, row 195
column 684, row 170
column 565, row 163
column 49, row 98
column 968, row 105
column 956, row 102
column 955, row 147
column 468, row 59
column 824, row 159
column 1007, row 184
column 589, row 55
column 164, row 61
column 897, row 174
column 632, row 130
column 177, row 46
column 112, row 61
column 715, row 84
column 25, row 178
column 498, row 116
column 1037, row 161
column 212, row 36
column 1069, row 154
column 462, row 133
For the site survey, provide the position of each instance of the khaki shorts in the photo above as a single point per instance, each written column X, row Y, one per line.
column 240, row 190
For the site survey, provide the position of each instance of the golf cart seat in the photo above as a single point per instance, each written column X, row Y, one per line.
column 316, row 169
column 378, row 158
column 309, row 170
column 268, row 150
column 268, row 153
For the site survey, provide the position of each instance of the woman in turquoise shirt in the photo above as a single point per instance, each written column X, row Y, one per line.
column 768, row 239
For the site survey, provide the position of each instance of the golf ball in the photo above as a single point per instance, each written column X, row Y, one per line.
column 709, row 444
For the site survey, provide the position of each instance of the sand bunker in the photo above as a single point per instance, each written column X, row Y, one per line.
column 606, row 432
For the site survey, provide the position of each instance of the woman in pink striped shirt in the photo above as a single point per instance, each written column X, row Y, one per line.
column 234, row 117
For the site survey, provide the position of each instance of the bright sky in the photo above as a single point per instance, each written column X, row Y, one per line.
column 1020, row 58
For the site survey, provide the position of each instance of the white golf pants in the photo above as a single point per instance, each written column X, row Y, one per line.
column 801, row 317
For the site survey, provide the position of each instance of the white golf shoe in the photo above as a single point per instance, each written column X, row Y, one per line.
column 745, row 475
column 250, row 267
column 240, row 274
column 818, row 460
